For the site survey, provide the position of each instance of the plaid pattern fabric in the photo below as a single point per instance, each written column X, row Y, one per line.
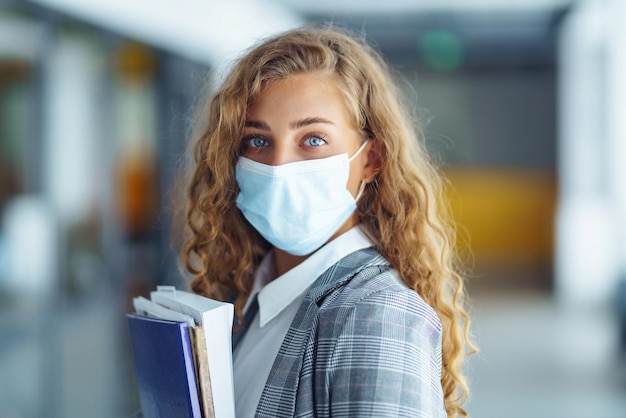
column 361, row 345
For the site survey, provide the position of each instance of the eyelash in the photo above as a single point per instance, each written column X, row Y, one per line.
column 246, row 141
column 316, row 136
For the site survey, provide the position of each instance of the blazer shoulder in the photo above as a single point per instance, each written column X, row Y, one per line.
column 379, row 291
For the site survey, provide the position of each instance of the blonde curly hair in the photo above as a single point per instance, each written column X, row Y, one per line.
column 403, row 208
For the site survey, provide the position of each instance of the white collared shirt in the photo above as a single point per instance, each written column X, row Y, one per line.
column 279, row 300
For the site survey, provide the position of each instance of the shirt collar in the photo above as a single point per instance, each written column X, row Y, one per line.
column 275, row 295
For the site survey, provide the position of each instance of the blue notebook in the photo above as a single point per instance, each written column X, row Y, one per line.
column 164, row 366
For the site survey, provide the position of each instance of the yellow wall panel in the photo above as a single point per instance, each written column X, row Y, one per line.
column 507, row 213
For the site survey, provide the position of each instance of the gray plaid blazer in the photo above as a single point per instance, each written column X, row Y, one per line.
column 362, row 344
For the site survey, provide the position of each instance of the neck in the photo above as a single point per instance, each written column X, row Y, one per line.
column 285, row 261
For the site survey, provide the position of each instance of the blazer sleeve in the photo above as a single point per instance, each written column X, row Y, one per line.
column 386, row 358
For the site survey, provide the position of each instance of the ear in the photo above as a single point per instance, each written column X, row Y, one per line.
column 374, row 160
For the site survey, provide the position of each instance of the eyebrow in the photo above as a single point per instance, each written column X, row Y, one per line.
column 293, row 125
column 309, row 121
column 257, row 124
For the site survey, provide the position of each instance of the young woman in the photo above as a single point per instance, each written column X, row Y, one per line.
column 313, row 206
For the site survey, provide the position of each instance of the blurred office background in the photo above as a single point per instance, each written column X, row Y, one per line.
column 523, row 104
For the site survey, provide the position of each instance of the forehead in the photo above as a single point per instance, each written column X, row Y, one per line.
column 311, row 90
column 317, row 80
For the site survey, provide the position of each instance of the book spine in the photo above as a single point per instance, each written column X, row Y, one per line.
column 203, row 377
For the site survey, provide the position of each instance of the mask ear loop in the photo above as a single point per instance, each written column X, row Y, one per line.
column 363, row 184
column 361, row 190
column 359, row 150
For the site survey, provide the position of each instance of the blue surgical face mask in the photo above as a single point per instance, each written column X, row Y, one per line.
column 297, row 206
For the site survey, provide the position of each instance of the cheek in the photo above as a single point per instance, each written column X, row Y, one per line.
column 356, row 176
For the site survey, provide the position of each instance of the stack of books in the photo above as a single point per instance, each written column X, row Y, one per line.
column 182, row 352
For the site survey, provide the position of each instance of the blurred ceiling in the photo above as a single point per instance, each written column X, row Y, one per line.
column 452, row 34
column 468, row 34
column 203, row 30
column 336, row 7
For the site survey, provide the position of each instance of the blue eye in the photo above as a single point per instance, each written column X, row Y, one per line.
column 256, row 142
column 315, row 141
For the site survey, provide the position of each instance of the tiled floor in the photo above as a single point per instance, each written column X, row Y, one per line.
column 540, row 360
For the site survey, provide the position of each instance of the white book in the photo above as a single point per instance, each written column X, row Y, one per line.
column 146, row 307
column 216, row 318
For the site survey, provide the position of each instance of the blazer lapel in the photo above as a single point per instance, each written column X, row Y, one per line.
column 279, row 395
